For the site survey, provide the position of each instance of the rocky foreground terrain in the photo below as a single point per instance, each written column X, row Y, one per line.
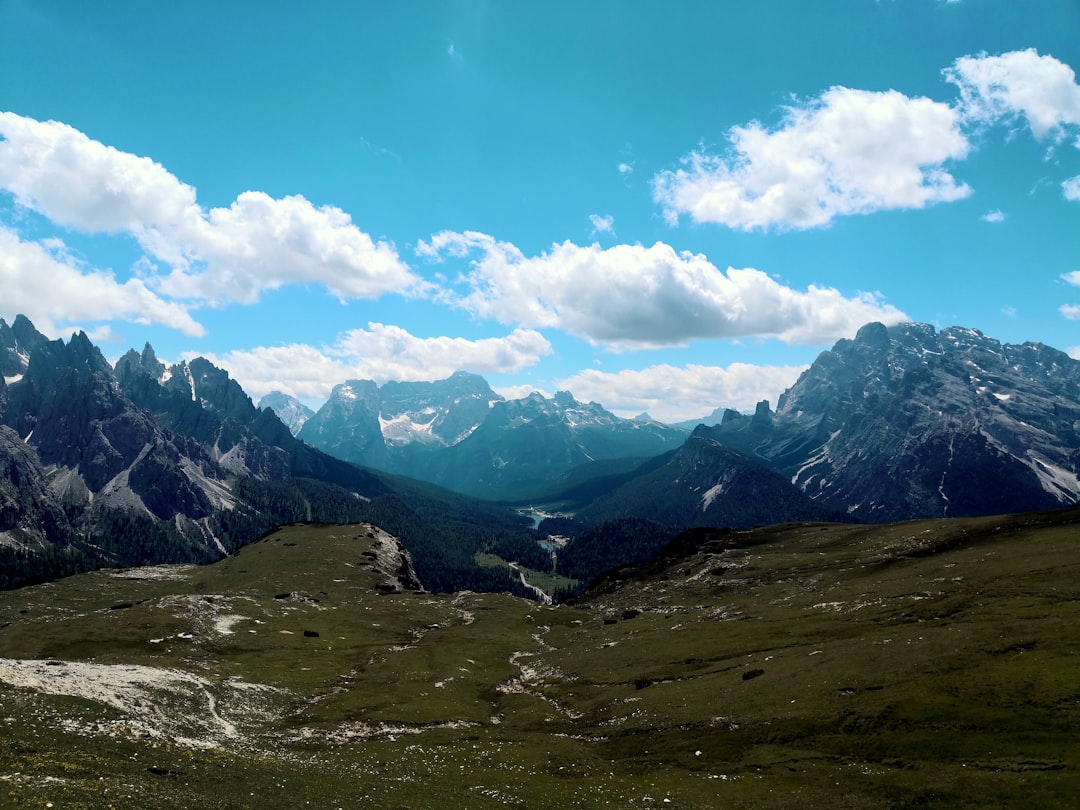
column 803, row 665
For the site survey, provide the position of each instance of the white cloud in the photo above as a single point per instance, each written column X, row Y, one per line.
column 675, row 394
column 511, row 392
column 304, row 371
column 43, row 282
column 1074, row 352
column 626, row 168
column 845, row 152
column 1072, row 278
column 602, row 224
column 1070, row 311
column 630, row 296
column 391, row 353
column 1071, row 188
column 380, row 353
column 1042, row 89
column 996, row 215
column 261, row 243
column 80, row 183
column 216, row 256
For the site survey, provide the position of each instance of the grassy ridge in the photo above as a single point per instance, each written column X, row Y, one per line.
column 927, row 663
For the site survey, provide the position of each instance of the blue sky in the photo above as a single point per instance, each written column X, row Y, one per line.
column 668, row 207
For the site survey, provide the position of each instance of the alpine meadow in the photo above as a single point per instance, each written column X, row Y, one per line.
column 568, row 405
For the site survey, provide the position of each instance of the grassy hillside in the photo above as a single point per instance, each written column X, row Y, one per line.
column 918, row 664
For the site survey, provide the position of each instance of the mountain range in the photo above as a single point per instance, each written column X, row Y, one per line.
column 144, row 462
column 460, row 434
column 906, row 422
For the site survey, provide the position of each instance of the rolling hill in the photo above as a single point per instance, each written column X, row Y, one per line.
column 926, row 663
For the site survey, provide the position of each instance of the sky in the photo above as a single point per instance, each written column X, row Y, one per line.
column 662, row 207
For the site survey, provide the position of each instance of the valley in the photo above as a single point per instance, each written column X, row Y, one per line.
column 214, row 613
column 797, row 665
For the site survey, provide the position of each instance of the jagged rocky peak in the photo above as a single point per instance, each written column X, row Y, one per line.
column 907, row 421
column 217, row 388
column 873, row 334
column 17, row 342
column 360, row 420
column 565, row 399
column 730, row 415
column 145, row 363
column 442, row 412
column 291, row 411
column 355, row 390
column 151, row 385
column 347, row 425
column 79, row 356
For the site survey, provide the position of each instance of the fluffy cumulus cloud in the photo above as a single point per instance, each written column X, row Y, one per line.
column 215, row 256
column 852, row 151
column 1022, row 84
column 630, row 296
column 259, row 243
column 997, row 215
column 47, row 285
column 81, row 183
column 391, row 353
column 675, row 394
column 380, row 353
column 845, row 152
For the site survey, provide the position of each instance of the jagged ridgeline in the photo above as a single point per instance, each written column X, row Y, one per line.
column 899, row 423
column 147, row 464
column 460, row 434
column 906, row 422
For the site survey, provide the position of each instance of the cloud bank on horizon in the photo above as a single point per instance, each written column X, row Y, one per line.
column 842, row 153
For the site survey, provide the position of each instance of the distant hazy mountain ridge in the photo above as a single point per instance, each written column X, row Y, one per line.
column 292, row 412
column 460, row 434
column 149, row 463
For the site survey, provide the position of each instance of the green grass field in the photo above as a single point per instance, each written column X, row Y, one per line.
column 919, row 664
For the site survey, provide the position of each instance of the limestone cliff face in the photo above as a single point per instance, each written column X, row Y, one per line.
column 141, row 464
column 30, row 513
column 906, row 421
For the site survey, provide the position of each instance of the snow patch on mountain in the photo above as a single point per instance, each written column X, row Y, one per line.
column 403, row 429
